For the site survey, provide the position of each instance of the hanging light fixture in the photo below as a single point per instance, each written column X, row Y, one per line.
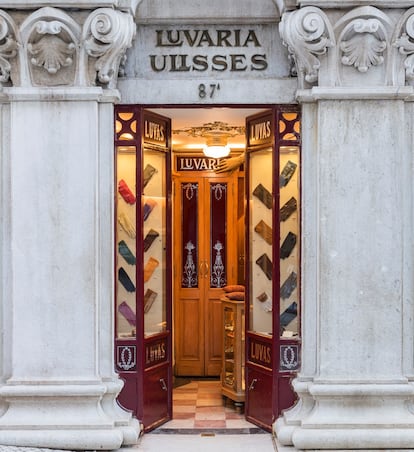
column 216, row 135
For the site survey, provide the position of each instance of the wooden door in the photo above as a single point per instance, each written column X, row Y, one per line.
column 205, row 260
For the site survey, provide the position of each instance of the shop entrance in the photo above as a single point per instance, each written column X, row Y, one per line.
column 207, row 258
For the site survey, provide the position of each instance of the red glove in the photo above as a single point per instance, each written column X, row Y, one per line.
column 125, row 192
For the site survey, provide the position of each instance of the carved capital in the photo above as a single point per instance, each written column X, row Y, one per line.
column 53, row 48
column 308, row 35
column 365, row 47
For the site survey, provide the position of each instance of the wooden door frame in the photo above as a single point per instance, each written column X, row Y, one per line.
column 204, row 337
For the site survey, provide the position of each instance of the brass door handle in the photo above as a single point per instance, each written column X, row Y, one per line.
column 203, row 269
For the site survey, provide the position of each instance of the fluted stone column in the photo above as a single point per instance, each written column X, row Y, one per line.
column 355, row 71
column 58, row 387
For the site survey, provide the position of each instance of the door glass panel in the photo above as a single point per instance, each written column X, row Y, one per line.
column 154, row 237
column 260, row 241
column 218, row 206
column 189, row 217
column 126, row 242
column 289, row 240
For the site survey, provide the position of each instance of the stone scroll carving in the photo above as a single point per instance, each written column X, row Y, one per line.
column 51, row 48
column 107, row 35
column 307, row 34
column 8, row 46
column 405, row 43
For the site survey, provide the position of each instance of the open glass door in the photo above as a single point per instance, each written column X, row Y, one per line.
column 143, row 275
column 273, row 256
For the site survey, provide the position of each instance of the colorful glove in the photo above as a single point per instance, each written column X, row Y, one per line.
column 127, row 225
column 264, row 230
column 149, row 238
column 289, row 286
column 266, row 265
column 126, row 253
column 128, row 313
column 148, row 206
column 149, row 298
column 288, row 315
column 264, row 195
column 288, row 208
column 149, row 268
column 149, row 171
column 125, row 192
column 287, row 173
column 125, row 280
column 287, row 245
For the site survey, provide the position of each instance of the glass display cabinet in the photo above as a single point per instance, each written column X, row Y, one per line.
column 142, row 254
column 273, row 270
column 232, row 376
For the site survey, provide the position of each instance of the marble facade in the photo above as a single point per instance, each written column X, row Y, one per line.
column 350, row 64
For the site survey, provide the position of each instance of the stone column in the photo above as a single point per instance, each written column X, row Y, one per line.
column 58, row 386
column 355, row 76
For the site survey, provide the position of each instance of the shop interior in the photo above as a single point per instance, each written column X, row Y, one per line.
column 208, row 261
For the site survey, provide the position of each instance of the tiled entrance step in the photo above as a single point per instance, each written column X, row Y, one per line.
column 199, row 406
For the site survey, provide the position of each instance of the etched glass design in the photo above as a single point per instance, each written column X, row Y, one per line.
column 189, row 239
column 218, row 214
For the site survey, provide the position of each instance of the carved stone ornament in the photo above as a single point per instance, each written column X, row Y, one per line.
column 405, row 44
column 307, row 34
column 52, row 50
column 363, row 44
column 8, row 46
column 107, row 34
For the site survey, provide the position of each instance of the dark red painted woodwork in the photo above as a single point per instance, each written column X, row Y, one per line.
column 269, row 380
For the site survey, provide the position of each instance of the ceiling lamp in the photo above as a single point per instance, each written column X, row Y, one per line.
column 216, row 135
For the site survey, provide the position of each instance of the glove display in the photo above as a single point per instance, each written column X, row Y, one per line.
column 128, row 313
column 125, row 192
column 287, row 173
column 288, row 208
column 149, row 238
column 125, row 280
column 149, row 268
column 265, row 231
column 288, row 245
column 266, row 265
column 127, row 225
column 264, row 195
column 126, row 253
column 289, row 286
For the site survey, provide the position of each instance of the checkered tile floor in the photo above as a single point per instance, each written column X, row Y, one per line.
column 200, row 405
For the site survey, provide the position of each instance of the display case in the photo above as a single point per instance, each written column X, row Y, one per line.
column 273, row 196
column 232, row 377
column 142, row 263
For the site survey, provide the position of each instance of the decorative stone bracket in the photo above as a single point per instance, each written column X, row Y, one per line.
column 51, row 49
column 364, row 47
